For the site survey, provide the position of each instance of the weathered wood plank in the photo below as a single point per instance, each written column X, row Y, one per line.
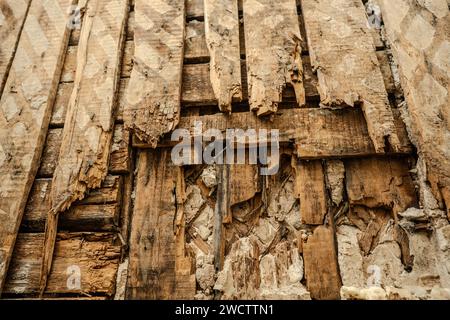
column 25, row 110
column 88, row 129
column 92, row 256
column 273, row 51
column 154, row 94
column 243, row 182
column 153, row 256
column 343, row 53
column 222, row 40
column 310, row 189
column 321, row 266
column 12, row 18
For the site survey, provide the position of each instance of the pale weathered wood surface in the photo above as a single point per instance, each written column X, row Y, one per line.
column 154, row 92
column 25, row 110
column 222, row 39
column 343, row 54
column 273, row 52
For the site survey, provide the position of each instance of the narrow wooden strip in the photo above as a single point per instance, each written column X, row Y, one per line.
column 25, row 110
column 12, row 19
column 343, row 53
column 222, row 40
column 92, row 256
column 154, row 93
column 273, row 51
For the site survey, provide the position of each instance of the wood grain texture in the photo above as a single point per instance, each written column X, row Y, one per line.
column 222, row 40
column 273, row 51
column 244, row 182
column 25, row 110
column 154, row 93
column 343, row 54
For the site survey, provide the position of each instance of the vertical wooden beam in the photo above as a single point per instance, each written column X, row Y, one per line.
column 343, row 54
column 88, row 129
column 154, row 92
column 222, row 40
column 222, row 214
column 25, row 111
column 273, row 50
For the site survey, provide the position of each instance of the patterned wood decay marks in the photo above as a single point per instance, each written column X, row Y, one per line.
column 154, row 91
column 273, row 50
column 88, row 129
column 12, row 18
column 222, row 38
column 25, row 110
column 158, row 265
column 419, row 33
column 343, row 53
column 310, row 189
column 93, row 253
column 321, row 266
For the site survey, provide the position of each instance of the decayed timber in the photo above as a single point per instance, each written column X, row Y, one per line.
column 154, row 92
column 310, row 189
column 273, row 51
column 222, row 39
column 25, row 110
column 343, row 53
column 92, row 256
column 153, row 247
column 321, row 267
column 418, row 32
column 12, row 18
column 243, row 182
column 88, row 129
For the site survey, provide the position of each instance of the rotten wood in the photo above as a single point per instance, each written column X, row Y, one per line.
column 343, row 54
column 244, row 182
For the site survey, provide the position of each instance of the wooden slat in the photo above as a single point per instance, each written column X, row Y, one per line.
column 153, row 250
column 310, row 189
column 321, row 266
column 94, row 254
column 194, row 9
column 88, row 129
column 222, row 39
column 154, row 94
column 25, row 110
column 12, row 18
column 343, row 53
column 273, row 51
column 243, row 182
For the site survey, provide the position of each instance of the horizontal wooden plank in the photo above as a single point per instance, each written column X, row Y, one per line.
column 92, row 256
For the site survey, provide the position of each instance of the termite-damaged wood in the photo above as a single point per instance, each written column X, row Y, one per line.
column 222, row 214
column 85, row 263
column 88, row 129
column 25, row 110
column 154, row 93
column 321, row 266
column 12, row 18
column 343, row 53
column 273, row 47
column 153, row 246
column 244, row 182
column 310, row 189
column 222, row 39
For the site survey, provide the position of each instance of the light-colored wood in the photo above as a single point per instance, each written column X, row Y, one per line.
column 25, row 110
column 273, row 51
column 343, row 54
column 88, row 129
column 244, row 182
column 12, row 18
column 154, row 93
column 222, row 40
column 93, row 254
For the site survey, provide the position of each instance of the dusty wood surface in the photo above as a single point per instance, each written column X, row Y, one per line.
column 12, row 18
column 88, row 129
column 222, row 39
column 422, row 52
column 343, row 53
column 244, row 182
column 92, row 256
column 153, row 249
column 273, row 51
column 25, row 109
column 154, row 92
